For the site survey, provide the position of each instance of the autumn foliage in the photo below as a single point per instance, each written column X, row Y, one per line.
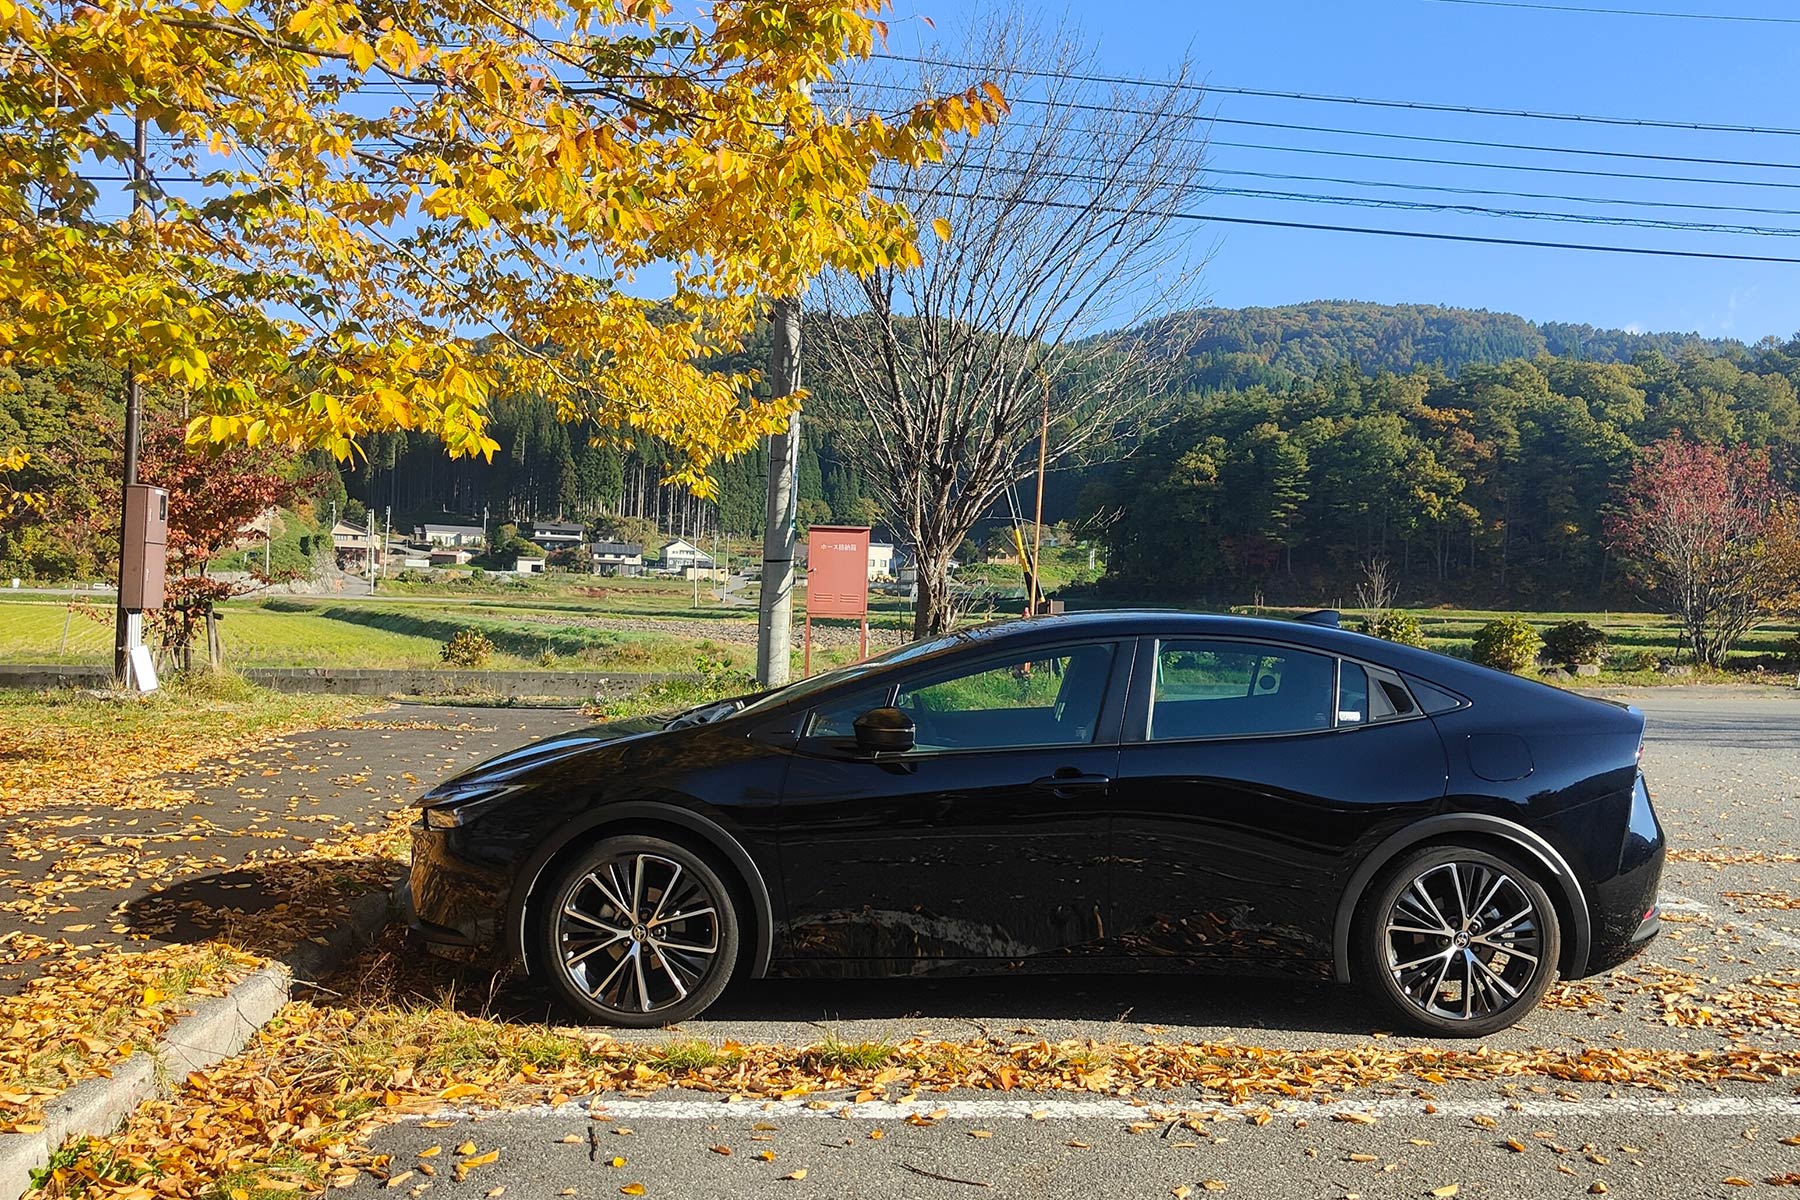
column 214, row 495
column 1712, row 535
column 358, row 219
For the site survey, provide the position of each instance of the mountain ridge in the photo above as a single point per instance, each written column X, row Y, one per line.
column 1303, row 339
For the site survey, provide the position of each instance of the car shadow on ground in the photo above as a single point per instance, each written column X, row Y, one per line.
column 1076, row 1005
column 265, row 908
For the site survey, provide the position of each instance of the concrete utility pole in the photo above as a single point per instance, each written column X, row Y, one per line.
column 1037, row 527
column 133, row 410
column 775, row 609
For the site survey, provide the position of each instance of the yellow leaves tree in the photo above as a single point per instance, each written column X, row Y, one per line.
column 356, row 217
column 14, row 500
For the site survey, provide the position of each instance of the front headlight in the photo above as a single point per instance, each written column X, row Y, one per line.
column 457, row 804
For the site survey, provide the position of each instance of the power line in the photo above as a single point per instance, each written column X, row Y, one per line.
column 1397, row 185
column 1176, row 214
column 1382, row 202
column 1369, row 156
column 1318, row 98
column 1624, row 12
column 1415, row 234
column 1489, row 166
column 1469, row 191
column 1617, row 221
column 1117, row 110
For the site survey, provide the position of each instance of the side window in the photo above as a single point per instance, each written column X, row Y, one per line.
column 837, row 718
column 1235, row 689
column 1365, row 697
column 1051, row 698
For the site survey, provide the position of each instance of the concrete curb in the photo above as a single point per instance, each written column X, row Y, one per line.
column 214, row 1029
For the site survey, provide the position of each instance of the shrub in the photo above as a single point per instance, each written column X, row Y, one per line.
column 1508, row 644
column 1634, row 660
column 469, row 648
column 1398, row 625
column 1574, row 642
column 547, row 659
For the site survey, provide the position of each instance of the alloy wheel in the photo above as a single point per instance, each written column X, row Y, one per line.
column 638, row 933
column 1464, row 941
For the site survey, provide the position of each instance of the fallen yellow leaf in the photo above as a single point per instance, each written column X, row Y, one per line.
column 796, row 1173
column 631, row 1189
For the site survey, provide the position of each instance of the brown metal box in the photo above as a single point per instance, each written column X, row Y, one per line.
column 144, row 555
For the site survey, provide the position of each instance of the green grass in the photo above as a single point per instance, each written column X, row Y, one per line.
column 686, row 1054
column 570, row 622
column 274, row 1176
column 849, row 1056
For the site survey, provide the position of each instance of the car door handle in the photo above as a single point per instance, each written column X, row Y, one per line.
column 1066, row 787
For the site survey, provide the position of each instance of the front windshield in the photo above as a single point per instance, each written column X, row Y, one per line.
column 868, row 666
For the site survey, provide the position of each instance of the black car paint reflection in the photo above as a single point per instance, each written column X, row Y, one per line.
column 1108, row 849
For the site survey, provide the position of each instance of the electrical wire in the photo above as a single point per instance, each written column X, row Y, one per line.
column 1623, row 12
column 1117, row 110
column 1318, row 98
column 1183, row 215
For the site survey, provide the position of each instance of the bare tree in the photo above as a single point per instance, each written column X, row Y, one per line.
column 1376, row 590
column 1052, row 229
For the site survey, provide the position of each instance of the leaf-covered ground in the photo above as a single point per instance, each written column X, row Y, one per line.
column 152, row 851
column 394, row 1037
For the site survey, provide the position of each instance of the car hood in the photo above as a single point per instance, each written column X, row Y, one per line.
column 538, row 754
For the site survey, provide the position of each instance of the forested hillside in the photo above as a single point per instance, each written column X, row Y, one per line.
column 1493, row 486
column 1299, row 340
column 1305, row 441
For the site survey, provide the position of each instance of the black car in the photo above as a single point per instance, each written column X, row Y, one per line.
column 1105, row 792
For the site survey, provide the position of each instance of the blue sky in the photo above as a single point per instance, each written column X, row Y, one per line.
column 1449, row 53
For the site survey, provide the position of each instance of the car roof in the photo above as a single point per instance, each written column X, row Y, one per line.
column 1455, row 674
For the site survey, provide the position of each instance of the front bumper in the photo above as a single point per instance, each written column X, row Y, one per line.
column 458, row 905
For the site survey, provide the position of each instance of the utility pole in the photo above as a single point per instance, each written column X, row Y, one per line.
column 1037, row 529
column 775, row 607
column 122, row 623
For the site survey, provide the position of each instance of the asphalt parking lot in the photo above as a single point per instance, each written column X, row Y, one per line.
column 1724, row 978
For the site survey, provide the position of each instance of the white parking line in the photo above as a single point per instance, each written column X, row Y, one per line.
column 1097, row 1109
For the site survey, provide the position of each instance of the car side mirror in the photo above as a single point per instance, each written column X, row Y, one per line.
column 884, row 731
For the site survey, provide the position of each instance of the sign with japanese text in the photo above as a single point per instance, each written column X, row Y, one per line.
column 837, row 571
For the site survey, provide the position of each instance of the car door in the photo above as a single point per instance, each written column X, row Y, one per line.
column 987, row 840
column 1253, row 778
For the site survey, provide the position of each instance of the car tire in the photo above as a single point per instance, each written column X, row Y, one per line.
column 1439, row 968
column 673, row 956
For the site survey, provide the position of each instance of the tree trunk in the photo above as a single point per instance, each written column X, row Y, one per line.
column 933, row 615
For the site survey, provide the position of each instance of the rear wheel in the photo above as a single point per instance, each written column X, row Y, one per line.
column 638, row 931
column 1458, row 941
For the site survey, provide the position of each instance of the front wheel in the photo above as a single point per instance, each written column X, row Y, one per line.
column 638, row 931
column 1458, row 941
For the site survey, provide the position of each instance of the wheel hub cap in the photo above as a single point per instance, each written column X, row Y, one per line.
column 639, row 933
column 1463, row 941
